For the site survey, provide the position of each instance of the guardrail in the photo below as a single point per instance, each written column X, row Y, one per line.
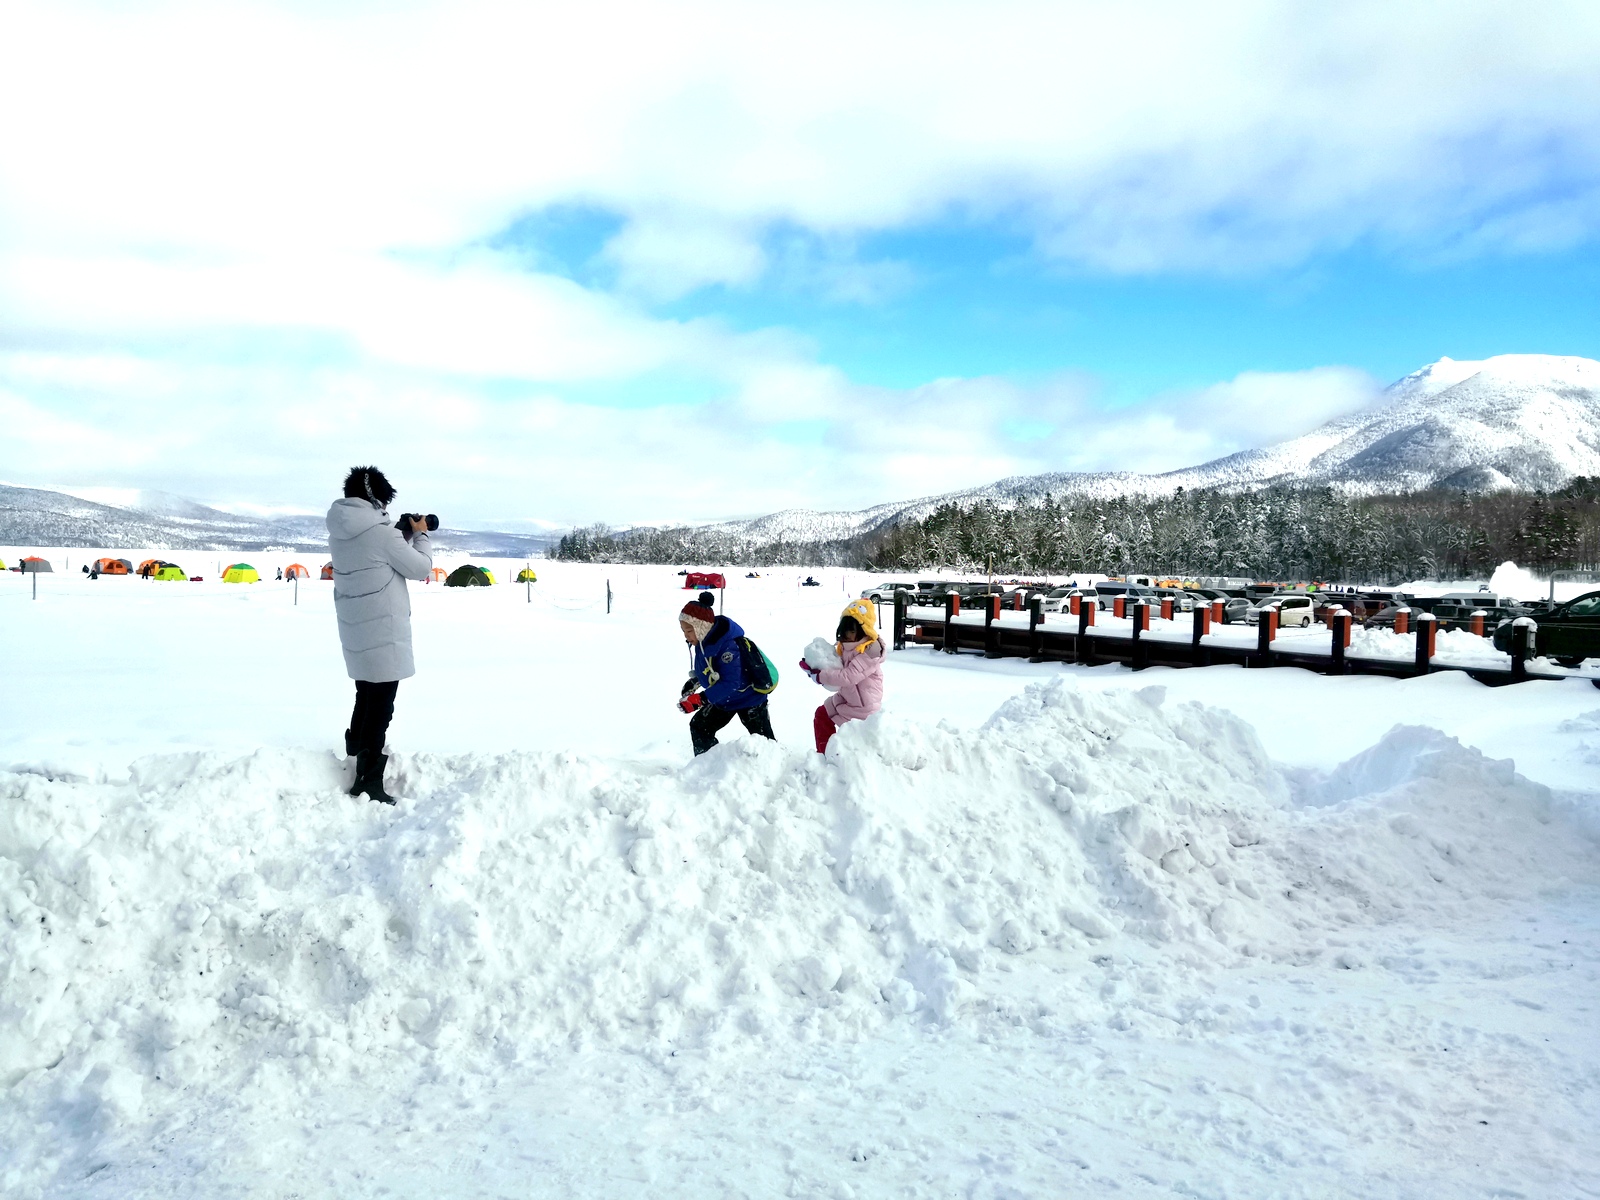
column 998, row 633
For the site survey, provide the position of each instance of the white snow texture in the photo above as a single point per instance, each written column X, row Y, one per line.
column 212, row 919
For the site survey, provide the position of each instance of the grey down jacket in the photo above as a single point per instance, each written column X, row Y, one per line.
column 371, row 563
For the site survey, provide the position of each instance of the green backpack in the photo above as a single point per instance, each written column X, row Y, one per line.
column 758, row 669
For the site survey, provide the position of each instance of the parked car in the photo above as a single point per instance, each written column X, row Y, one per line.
column 885, row 591
column 1455, row 609
column 1384, row 617
column 1293, row 610
column 1055, row 600
column 1234, row 610
column 1181, row 601
column 933, row 591
column 1568, row 633
column 1107, row 592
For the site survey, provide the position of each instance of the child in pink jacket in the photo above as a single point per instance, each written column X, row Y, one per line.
column 858, row 677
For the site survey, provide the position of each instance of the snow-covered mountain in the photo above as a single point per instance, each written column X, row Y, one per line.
column 37, row 517
column 1515, row 420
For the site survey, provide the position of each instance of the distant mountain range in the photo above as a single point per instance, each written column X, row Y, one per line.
column 1517, row 420
column 159, row 521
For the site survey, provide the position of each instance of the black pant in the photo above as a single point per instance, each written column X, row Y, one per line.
column 369, row 722
column 705, row 723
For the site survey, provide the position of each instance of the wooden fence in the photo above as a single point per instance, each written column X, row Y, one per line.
column 1075, row 638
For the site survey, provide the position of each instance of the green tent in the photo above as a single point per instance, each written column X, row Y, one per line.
column 526, row 575
column 468, row 575
column 171, row 572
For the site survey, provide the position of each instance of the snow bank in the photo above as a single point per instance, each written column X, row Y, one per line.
column 214, row 919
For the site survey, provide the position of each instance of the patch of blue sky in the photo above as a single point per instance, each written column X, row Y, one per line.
column 962, row 300
column 562, row 240
column 984, row 304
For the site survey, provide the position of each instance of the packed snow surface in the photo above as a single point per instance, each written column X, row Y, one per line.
column 1031, row 931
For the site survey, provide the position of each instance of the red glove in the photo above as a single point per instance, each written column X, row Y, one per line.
column 691, row 702
column 809, row 670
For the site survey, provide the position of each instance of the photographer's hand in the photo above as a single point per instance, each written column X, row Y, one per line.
column 419, row 525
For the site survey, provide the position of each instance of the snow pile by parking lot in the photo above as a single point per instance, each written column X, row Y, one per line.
column 210, row 920
column 1449, row 645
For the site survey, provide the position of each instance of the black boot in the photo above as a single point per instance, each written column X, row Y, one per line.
column 369, row 777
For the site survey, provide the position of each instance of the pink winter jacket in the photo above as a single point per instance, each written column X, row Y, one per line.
column 859, row 680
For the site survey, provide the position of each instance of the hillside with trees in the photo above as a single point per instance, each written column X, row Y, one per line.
column 1280, row 532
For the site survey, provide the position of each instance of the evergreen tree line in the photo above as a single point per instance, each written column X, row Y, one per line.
column 1283, row 532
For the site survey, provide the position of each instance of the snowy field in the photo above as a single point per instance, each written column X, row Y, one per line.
column 1035, row 930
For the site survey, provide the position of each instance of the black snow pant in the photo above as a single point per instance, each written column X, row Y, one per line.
column 705, row 723
column 369, row 722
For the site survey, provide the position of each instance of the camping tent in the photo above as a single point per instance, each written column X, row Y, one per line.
column 34, row 565
column 527, row 575
column 327, row 570
column 240, row 573
column 468, row 575
column 295, row 569
column 149, row 567
column 114, row 566
column 436, row 574
column 704, row 579
column 171, row 572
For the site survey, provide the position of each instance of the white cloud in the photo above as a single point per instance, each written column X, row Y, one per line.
column 1135, row 137
column 236, row 240
column 665, row 257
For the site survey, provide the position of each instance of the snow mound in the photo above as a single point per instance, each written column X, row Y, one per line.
column 211, row 919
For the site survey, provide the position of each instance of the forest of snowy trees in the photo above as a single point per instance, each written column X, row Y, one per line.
column 1281, row 533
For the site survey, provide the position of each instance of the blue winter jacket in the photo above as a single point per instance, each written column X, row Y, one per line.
column 719, row 668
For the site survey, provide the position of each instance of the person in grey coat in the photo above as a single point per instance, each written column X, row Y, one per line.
column 372, row 559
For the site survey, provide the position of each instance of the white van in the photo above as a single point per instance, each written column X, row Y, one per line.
column 1292, row 611
column 1055, row 600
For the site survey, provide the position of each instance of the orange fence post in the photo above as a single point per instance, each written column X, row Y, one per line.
column 1166, row 608
column 1477, row 619
column 1402, row 621
column 1119, row 606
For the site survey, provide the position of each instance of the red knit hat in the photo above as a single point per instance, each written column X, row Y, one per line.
column 698, row 615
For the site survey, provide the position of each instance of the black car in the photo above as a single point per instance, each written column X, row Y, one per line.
column 1568, row 633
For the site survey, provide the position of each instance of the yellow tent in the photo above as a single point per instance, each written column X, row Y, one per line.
column 240, row 573
column 527, row 575
column 490, row 574
column 171, row 572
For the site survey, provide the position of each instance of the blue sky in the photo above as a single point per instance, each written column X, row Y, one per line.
column 973, row 300
column 557, row 266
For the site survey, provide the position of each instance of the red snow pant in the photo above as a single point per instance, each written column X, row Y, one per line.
column 822, row 724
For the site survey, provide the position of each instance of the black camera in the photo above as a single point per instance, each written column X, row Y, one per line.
column 403, row 523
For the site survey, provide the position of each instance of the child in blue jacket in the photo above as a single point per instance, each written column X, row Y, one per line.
column 718, row 673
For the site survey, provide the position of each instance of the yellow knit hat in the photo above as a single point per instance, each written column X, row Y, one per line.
column 865, row 614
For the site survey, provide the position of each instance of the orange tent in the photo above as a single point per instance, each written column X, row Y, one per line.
column 149, row 567
column 327, row 570
column 294, row 569
column 114, row 566
column 438, row 574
